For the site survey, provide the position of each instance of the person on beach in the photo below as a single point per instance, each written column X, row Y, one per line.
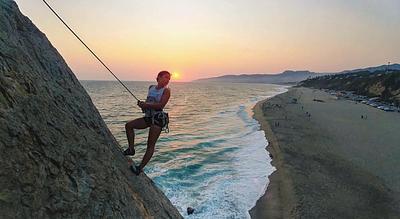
column 155, row 119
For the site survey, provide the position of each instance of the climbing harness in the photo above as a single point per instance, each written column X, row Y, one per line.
column 159, row 118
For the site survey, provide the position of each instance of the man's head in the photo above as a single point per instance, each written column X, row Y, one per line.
column 163, row 78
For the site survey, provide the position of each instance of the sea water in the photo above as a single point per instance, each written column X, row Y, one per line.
column 214, row 158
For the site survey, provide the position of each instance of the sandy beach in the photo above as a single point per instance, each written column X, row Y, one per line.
column 331, row 163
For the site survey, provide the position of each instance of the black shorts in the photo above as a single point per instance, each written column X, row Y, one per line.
column 159, row 119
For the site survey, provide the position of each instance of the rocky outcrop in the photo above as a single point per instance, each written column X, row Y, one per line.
column 57, row 157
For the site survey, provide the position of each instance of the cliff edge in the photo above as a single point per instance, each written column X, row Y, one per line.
column 57, row 157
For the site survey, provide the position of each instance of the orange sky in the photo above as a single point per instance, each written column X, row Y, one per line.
column 208, row 38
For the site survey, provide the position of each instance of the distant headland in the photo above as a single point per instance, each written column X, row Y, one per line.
column 289, row 76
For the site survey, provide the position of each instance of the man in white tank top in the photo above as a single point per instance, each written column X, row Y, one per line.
column 155, row 119
column 154, row 96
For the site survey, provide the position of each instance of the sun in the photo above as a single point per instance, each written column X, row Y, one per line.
column 176, row 75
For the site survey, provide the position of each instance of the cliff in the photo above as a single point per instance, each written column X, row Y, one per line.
column 384, row 84
column 57, row 157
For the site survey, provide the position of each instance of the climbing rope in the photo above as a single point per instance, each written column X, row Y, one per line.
column 89, row 49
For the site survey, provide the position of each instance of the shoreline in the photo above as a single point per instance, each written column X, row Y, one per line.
column 324, row 170
column 278, row 193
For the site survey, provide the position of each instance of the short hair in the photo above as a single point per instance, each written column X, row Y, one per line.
column 162, row 73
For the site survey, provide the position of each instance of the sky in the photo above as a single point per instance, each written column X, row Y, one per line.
column 207, row 38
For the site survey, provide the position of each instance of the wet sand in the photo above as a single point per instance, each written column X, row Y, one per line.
column 330, row 162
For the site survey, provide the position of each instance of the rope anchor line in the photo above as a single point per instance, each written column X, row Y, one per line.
column 94, row 54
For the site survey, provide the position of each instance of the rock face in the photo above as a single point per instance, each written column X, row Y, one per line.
column 57, row 157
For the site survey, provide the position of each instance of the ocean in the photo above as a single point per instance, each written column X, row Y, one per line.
column 214, row 158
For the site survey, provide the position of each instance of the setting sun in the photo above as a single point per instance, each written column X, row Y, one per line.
column 175, row 76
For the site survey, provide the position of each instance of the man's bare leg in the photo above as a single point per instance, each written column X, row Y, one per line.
column 154, row 133
column 130, row 133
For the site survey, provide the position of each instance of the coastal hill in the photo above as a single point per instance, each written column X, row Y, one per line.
column 58, row 159
column 285, row 77
column 383, row 83
column 289, row 77
column 392, row 67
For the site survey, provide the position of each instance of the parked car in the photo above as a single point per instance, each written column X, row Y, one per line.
column 388, row 109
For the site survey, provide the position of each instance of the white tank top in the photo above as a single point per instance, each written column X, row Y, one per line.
column 154, row 95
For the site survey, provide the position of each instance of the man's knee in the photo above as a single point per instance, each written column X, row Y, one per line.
column 128, row 126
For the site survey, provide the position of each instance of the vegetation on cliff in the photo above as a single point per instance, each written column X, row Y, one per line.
column 384, row 84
